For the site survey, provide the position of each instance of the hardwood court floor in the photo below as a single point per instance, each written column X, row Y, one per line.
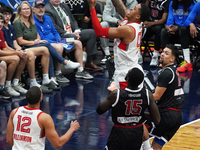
column 187, row 137
column 79, row 99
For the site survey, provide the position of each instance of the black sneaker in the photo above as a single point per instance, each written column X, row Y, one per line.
column 4, row 94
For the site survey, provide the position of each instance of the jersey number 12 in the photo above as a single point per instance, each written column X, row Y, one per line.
column 21, row 126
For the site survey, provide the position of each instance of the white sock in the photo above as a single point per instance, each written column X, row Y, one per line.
column 186, row 54
column 186, row 86
column 107, row 51
column 156, row 53
column 33, row 82
column 58, row 72
column 45, row 79
column 147, row 145
column 80, row 86
column 15, row 81
column 8, row 83
column 80, row 69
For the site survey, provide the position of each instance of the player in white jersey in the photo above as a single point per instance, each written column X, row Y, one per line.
column 125, row 55
column 28, row 125
column 127, row 37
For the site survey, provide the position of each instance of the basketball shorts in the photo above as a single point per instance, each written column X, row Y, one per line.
column 170, row 122
column 125, row 139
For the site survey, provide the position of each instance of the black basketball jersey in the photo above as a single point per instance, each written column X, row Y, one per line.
column 157, row 8
column 174, row 95
column 129, row 106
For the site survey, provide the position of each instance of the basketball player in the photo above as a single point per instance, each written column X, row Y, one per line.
column 27, row 125
column 127, row 37
column 170, row 99
column 128, row 106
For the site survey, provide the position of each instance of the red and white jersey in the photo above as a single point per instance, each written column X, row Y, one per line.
column 126, row 55
column 27, row 133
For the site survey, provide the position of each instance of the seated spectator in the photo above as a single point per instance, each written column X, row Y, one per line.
column 175, row 29
column 27, row 36
column 3, row 70
column 16, row 61
column 67, row 27
column 111, row 18
column 81, row 13
column 159, row 11
column 190, row 21
column 47, row 32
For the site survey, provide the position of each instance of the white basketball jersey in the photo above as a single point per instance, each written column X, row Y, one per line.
column 126, row 55
column 27, row 133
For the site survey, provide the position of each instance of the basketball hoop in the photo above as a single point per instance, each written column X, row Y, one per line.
column 74, row 2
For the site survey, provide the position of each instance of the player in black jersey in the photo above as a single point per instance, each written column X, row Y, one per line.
column 128, row 106
column 170, row 99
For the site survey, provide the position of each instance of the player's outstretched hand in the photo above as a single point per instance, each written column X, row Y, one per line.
column 74, row 125
column 92, row 3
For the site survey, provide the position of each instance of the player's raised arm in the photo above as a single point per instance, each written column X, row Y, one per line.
column 120, row 7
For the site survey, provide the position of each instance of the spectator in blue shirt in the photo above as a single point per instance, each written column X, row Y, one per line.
column 48, row 32
column 190, row 21
column 194, row 28
column 175, row 29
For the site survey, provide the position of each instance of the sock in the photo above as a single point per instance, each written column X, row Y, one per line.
column 1, row 87
column 80, row 86
column 8, row 83
column 186, row 54
column 156, row 53
column 186, row 86
column 107, row 51
column 45, row 79
column 147, row 144
column 80, row 69
column 33, row 82
column 46, row 99
column 58, row 72
column 15, row 81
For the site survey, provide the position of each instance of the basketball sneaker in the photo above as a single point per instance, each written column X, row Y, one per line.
column 185, row 76
column 185, row 66
column 112, row 86
column 154, row 61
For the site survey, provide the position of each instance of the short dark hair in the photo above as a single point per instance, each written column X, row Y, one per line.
column 144, row 12
column 174, row 50
column 33, row 95
column 6, row 9
column 135, row 77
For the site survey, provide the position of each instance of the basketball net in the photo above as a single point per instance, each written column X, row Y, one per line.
column 74, row 2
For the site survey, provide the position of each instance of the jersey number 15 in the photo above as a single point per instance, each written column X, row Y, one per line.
column 133, row 107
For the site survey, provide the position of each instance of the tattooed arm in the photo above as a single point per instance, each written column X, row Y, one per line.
column 120, row 7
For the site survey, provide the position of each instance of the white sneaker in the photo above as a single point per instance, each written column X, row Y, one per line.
column 11, row 91
column 154, row 61
column 84, row 56
column 105, row 58
column 71, row 65
column 140, row 59
column 19, row 89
